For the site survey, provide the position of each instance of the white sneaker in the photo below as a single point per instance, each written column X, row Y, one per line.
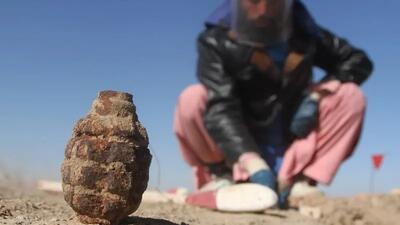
column 236, row 198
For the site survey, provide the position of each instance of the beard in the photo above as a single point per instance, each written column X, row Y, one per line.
column 262, row 30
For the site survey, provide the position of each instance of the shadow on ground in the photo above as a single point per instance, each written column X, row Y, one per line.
column 133, row 220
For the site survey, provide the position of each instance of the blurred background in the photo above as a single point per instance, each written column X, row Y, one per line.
column 55, row 56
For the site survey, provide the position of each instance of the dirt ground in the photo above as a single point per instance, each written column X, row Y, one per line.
column 21, row 206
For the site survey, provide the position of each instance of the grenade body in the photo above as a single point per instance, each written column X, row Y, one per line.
column 107, row 160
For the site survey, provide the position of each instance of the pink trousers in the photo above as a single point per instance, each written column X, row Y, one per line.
column 318, row 156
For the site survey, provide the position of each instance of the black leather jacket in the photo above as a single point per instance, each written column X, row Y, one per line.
column 246, row 91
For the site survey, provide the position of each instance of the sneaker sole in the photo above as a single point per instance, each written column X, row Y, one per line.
column 236, row 198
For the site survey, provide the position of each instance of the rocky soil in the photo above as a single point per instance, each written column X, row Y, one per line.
column 22, row 206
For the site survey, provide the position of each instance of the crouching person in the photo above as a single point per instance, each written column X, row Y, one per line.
column 256, row 116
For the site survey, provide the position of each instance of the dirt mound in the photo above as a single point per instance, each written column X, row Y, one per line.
column 358, row 210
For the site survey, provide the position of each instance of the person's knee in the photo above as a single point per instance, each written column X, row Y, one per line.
column 191, row 102
column 354, row 97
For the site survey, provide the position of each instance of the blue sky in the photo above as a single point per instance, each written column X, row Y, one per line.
column 56, row 56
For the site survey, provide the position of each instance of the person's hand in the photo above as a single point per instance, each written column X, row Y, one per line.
column 258, row 170
column 306, row 117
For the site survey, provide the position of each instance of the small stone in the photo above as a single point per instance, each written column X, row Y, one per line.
column 5, row 212
column 20, row 218
column 313, row 212
column 107, row 160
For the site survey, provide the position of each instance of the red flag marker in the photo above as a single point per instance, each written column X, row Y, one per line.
column 377, row 159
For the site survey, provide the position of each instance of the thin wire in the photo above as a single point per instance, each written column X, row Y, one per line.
column 152, row 151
